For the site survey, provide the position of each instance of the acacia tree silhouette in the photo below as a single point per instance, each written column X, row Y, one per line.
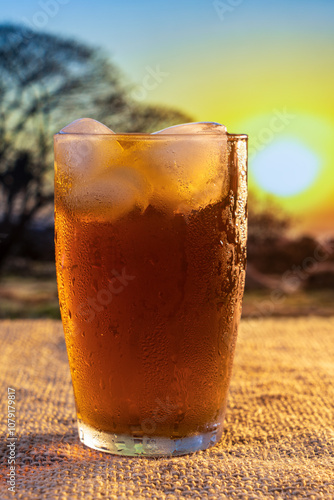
column 46, row 82
column 266, row 221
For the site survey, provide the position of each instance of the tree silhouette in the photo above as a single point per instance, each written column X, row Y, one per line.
column 45, row 83
column 266, row 220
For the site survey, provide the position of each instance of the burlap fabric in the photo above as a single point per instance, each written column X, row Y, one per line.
column 278, row 442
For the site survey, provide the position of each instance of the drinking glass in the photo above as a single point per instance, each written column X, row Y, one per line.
column 150, row 233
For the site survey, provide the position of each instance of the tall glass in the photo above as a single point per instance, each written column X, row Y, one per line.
column 150, row 235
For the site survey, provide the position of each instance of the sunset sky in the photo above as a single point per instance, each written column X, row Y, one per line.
column 260, row 67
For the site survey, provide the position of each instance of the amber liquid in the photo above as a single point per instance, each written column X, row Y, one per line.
column 150, row 305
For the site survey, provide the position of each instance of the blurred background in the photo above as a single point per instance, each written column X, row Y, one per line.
column 261, row 68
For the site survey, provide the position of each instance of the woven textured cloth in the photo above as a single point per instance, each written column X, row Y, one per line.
column 278, row 441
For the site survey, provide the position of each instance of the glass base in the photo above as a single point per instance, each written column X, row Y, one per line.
column 147, row 446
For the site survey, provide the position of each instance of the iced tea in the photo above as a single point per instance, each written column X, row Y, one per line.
column 150, row 235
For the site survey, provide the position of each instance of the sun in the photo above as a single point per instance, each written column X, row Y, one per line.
column 286, row 167
column 292, row 163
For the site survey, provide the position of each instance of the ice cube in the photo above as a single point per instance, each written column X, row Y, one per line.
column 195, row 128
column 189, row 171
column 111, row 195
column 86, row 126
column 84, row 148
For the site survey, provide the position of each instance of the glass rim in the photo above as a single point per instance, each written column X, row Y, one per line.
column 153, row 136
